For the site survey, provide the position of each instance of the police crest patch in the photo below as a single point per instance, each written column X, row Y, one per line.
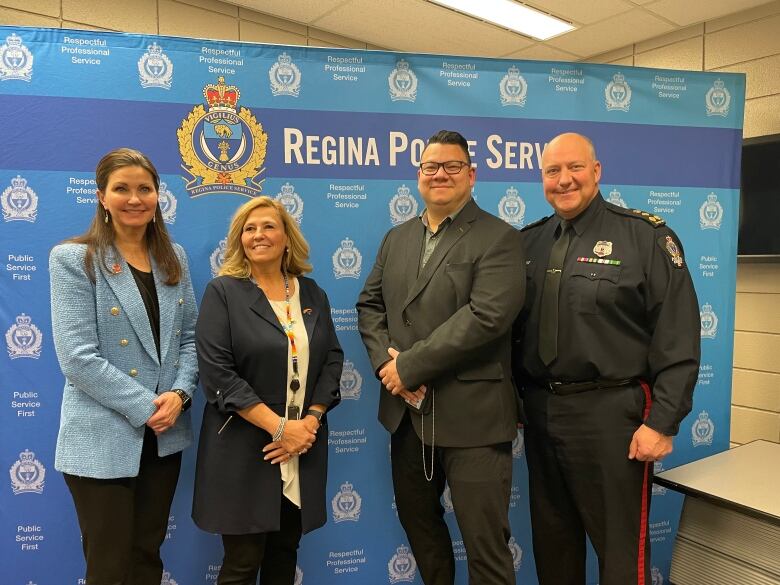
column 670, row 247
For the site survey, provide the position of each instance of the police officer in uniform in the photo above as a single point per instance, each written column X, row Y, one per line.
column 607, row 353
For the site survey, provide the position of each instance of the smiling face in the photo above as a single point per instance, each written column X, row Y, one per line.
column 130, row 198
column 263, row 238
column 443, row 192
column 570, row 175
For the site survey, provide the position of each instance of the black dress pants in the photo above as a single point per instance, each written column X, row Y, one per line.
column 273, row 554
column 123, row 521
column 582, row 482
column 480, row 480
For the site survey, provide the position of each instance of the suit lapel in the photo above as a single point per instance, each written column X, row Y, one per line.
column 260, row 305
column 166, row 298
column 309, row 309
column 414, row 244
column 125, row 290
column 459, row 228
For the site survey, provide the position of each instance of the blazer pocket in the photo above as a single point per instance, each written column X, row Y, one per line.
column 484, row 371
column 457, row 266
column 460, row 275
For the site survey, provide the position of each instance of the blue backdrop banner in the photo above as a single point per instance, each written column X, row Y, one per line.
column 336, row 136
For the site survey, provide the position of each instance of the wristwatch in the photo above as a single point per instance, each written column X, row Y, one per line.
column 186, row 401
column 318, row 414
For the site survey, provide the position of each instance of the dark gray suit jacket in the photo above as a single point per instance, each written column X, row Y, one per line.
column 452, row 325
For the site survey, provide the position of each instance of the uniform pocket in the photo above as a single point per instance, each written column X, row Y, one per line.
column 593, row 286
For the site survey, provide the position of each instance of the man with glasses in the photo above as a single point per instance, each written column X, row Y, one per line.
column 435, row 315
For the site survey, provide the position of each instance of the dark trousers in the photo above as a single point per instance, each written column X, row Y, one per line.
column 582, row 482
column 245, row 553
column 123, row 521
column 480, row 481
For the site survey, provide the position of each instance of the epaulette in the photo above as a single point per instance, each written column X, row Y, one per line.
column 653, row 220
column 536, row 223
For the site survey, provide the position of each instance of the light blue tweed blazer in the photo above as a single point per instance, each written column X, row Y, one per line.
column 106, row 350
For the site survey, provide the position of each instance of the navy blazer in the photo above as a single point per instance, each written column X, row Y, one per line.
column 106, row 350
column 243, row 356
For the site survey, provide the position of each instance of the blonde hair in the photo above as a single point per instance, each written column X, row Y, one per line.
column 295, row 259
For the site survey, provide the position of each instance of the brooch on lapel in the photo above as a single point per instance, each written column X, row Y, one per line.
column 307, row 311
column 116, row 269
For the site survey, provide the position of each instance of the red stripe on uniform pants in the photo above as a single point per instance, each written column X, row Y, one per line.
column 645, row 504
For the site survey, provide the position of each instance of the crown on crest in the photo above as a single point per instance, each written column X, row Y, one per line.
column 512, row 192
column 221, row 96
column 346, row 487
column 19, row 183
column 347, row 244
column 404, row 191
column 23, row 320
column 14, row 40
column 26, row 456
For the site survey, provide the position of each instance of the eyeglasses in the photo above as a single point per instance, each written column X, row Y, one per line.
column 451, row 167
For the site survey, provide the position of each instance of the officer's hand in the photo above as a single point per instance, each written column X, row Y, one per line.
column 649, row 445
column 388, row 374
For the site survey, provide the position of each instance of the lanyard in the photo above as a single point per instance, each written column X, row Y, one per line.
column 293, row 410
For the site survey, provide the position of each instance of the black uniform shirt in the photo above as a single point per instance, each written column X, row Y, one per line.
column 635, row 315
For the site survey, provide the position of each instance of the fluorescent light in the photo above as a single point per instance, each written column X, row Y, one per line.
column 511, row 15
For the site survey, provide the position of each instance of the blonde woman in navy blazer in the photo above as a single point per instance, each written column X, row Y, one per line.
column 263, row 447
column 123, row 319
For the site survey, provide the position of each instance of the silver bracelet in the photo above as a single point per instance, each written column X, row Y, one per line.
column 280, row 429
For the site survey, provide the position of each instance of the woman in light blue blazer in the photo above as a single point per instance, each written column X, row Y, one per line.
column 123, row 320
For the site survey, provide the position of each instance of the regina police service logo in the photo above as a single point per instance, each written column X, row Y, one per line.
column 346, row 504
column 711, row 213
column 702, row 430
column 218, row 257
column 402, row 567
column 709, row 321
column 291, row 201
column 223, row 149
column 167, row 203
column 513, row 88
column 618, row 93
column 656, row 577
column 351, row 382
column 20, row 203
column 718, row 100
column 511, row 208
column 517, row 553
column 403, row 82
column 403, row 206
column 155, row 69
column 347, row 260
column 24, row 339
column 27, row 474
column 518, row 445
column 167, row 579
column 285, row 77
column 616, row 199
column 658, row 490
column 16, row 61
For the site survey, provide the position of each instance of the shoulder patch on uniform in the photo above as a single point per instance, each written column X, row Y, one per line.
column 672, row 249
column 653, row 220
column 538, row 222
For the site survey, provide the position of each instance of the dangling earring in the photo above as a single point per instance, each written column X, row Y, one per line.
column 105, row 217
column 154, row 218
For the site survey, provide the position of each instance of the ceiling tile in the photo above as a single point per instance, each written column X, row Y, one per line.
column 542, row 52
column 304, row 11
column 581, row 12
column 612, row 33
column 693, row 11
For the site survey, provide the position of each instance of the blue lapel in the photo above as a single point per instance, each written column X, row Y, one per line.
column 125, row 290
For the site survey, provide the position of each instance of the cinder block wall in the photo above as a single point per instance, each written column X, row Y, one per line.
column 746, row 42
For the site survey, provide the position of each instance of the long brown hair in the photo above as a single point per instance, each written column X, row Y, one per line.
column 295, row 258
column 99, row 237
